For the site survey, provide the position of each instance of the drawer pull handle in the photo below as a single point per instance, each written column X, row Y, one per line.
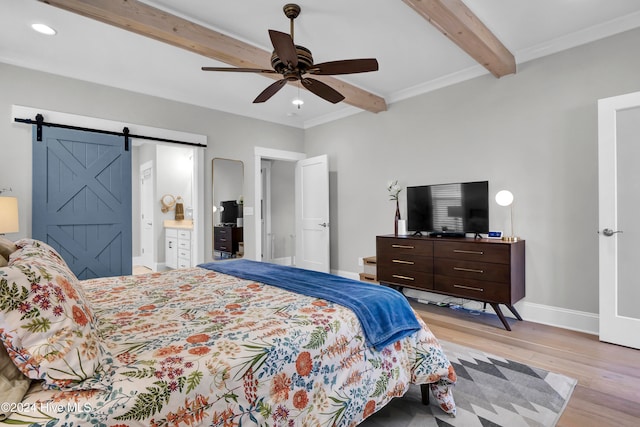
column 397, row 276
column 470, row 270
column 470, row 288
column 403, row 246
column 223, row 240
column 400, row 261
column 460, row 251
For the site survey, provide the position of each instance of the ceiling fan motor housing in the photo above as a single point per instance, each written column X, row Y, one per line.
column 305, row 61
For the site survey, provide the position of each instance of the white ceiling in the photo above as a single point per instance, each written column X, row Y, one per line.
column 414, row 57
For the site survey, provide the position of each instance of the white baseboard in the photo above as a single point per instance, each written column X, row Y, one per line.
column 287, row 260
column 539, row 313
column 561, row 317
column 347, row 274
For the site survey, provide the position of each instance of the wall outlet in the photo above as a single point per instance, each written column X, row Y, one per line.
column 360, row 261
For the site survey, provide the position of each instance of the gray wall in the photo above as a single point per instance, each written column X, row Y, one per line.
column 534, row 133
column 229, row 136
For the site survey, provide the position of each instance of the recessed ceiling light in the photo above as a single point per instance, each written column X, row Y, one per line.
column 44, row 29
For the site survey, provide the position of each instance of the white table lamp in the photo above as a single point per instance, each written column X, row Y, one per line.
column 505, row 198
column 9, row 215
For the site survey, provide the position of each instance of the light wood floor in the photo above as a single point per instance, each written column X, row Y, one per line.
column 139, row 269
column 608, row 390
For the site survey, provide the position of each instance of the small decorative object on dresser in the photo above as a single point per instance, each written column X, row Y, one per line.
column 486, row 270
column 394, row 190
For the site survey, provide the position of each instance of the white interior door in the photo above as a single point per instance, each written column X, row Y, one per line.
column 312, row 214
column 619, row 229
column 146, row 215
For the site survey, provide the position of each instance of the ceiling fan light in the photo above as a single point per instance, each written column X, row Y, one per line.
column 297, row 102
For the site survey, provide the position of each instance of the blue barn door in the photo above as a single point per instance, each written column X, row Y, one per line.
column 82, row 200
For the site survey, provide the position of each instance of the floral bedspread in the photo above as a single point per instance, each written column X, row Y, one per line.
column 194, row 347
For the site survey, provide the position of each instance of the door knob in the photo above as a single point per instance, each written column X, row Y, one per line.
column 609, row 232
column 324, row 224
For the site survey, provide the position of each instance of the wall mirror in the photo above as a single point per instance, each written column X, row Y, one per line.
column 228, row 219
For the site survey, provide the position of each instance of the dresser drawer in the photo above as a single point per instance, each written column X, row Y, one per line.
column 473, row 270
column 222, row 246
column 486, row 252
column 472, row 289
column 405, row 261
column 402, row 277
column 393, row 247
column 184, row 234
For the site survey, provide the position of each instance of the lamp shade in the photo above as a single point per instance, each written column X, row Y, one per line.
column 9, row 215
column 504, row 198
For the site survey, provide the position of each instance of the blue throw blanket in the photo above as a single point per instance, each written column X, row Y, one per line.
column 384, row 313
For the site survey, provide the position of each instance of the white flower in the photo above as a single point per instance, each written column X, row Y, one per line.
column 394, row 189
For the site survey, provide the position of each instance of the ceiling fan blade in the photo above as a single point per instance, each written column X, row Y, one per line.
column 347, row 66
column 270, row 91
column 323, row 90
column 284, row 47
column 239, row 70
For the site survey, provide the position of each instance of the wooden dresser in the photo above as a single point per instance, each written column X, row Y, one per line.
column 226, row 239
column 487, row 270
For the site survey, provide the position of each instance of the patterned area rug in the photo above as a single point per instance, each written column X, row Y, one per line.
column 491, row 391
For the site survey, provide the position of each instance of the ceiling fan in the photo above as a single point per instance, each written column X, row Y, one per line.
column 294, row 62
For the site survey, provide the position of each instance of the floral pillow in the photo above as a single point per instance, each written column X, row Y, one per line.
column 46, row 323
column 31, row 249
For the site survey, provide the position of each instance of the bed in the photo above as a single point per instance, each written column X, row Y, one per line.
column 197, row 346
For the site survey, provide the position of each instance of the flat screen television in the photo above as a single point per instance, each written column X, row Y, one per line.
column 449, row 209
column 229, row 214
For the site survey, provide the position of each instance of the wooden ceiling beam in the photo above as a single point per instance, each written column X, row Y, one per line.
column 140, row 18
column 456, row 21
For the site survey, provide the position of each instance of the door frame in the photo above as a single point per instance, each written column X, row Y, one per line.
column 261, row 153
column 19, row 111
column 152, row 253
column 265, row 209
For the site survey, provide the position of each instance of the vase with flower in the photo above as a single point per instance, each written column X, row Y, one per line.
column 394, row 190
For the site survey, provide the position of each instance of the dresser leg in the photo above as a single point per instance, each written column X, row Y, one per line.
column 498, row 311
column 514, row 311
